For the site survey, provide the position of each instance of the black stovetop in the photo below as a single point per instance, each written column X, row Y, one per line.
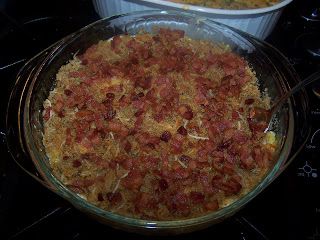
column 288, row 209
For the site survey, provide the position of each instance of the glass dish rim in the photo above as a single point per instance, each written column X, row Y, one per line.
column 80, row 202
column 221, row 11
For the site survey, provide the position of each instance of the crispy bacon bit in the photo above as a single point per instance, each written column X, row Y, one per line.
column 249, row 101
column 232, row 186
column 154, row 128
column 110, row 95
column 165, row 136
column 100, row 197
column 88, row 53
column 144, row 82
column 231, row 64
column 94, row 137
column 140, row 94
column 176, row 146
column 82, row 183
column 134, row 180
column 178, row 204
column 127, row 164
column 235, row 115
column 76, row 163
column 46, row 113
column 229, row 186
column 228, row 168
column 150, row 162
column 199, row 66
column 163, row 184
column 136, row 97
column 181, row 130
column 240, row 136
column 86, row 115
column 150, row 95
column 260, row 157
column 110, row 114
column 124, row 101
column 212, row 206
column 115, row 42
column 58, row 107
column 138, row 113
column 246, row 160
column 114, row 198
column 197, row 197
column 117, row 127
column 61, row 114
column 107, row 102
column 170, row 35
column 247, row 163
column 257, row 126
column 192, row 165
column 218, row 127
column 67, row 92
column 185, row 111
column 151, row 145
column 146, row 138
column 171, row 64
column 127, row 146
column 185, row 158
column 224, row 145
column 145, row 201
column 84, row 61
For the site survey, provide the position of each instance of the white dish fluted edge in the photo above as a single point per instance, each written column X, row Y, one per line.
column 258, row 22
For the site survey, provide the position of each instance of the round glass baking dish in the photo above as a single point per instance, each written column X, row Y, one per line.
column 37, row 78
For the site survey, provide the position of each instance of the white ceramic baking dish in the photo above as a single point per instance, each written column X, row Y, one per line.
column 258, row 22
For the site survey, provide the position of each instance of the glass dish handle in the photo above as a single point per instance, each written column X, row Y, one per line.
column 303, row 132
column 295, row 153
column 13, row 134
column 32, row 172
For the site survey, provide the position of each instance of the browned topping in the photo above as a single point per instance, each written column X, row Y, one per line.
column 110, row 95
column 67, row 92
column 197, row 197
column 212, row 206
column 186, row 112
column 100, row 197
column 163, row 184
column 76, row 163
column 140, row 94
column 185, row 158
column 109, row 114
column 157, row 126
column 181, row 130
column 114, row 198
column 249, row 101
column 138, row 113
column 46, row 113
column 224, row 145
column 223, row 4
column 165, row 136
column 127, row 147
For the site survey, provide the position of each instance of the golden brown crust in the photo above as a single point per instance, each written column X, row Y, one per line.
column 230, row 4
column 155, row 126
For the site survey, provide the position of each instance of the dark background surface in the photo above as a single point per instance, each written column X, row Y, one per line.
column 288, row 209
